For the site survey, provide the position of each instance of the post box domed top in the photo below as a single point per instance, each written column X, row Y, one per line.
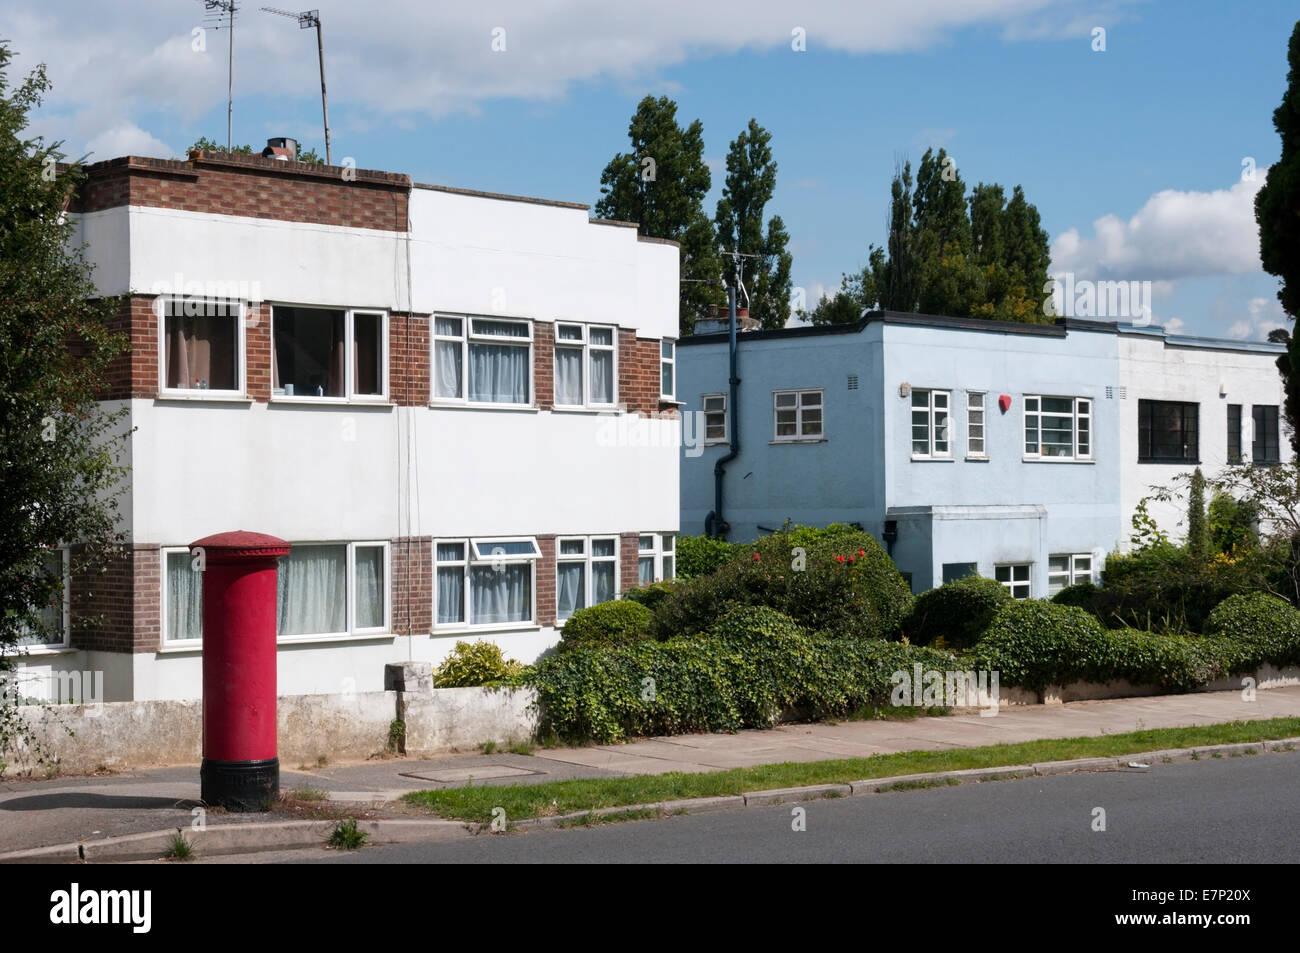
column 241, row 544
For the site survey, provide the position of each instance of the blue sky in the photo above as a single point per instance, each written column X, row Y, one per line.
column 1146, row 137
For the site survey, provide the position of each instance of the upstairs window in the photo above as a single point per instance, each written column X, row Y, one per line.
column 975, row 445
column 1264, row 447
column 930, row 424
column 1058, row 428
column 584, row 365
column 328, row 353
column 667, row 369
column 1168, row 432
column 798, row 414
column 202, row 346
column 715, row 418
column 482, row 360
column 1234, row 433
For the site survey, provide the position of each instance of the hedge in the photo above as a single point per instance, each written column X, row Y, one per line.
column 702, row 555
column 838, row 582
column 607, row 624
column 752, row 665
column 1263, row 628
column 956, row 614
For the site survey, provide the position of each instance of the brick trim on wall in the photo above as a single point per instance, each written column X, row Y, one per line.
column 544, row 364
column 118, row 609
column 546, row 580
column 627, row 560
column 251, row 187
column 408, row 359
column 411, row 591
column 638, row 375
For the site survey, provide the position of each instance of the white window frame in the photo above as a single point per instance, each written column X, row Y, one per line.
column 931, row 412
column 586, row 559
column 241, row 365
column 474, row 546
column 704, row 409
column 387, row 625
column 663, row 550
column 1081, row 409
column 669, row 359
column 1072, row 574
column 587, row 347
column 164, row 643
column 1012, row 583
column 349, row 357
column 799, row 407
column 972, row 411
column 43, row 648
column 468, row 338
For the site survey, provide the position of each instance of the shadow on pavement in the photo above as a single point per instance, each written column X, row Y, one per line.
column 83, row 800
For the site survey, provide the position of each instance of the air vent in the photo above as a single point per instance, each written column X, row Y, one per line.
column 1110, row 393
column 853, row 382
column 1123, row 393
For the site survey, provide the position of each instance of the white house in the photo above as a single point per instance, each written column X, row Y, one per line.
column 411, row 384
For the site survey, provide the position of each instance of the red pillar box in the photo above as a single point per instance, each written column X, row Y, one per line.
column 241, row 771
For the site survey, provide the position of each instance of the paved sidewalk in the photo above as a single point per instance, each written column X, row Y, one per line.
column 37, row 813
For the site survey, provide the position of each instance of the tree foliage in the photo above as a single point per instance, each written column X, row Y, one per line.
column 204, row 144
column 660, row 184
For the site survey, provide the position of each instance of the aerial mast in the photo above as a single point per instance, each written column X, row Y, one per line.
column 307, row 20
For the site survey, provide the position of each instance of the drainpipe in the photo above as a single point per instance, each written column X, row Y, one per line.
column 714, row 524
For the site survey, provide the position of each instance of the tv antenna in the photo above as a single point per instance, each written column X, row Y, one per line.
column 307, row 20
column 216, row 10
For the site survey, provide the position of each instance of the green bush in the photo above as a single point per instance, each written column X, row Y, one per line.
column 701, row 555
column 606, row 624
column 649, row 595
column 475, row 663
column 956, row 614
column 842, row 583
column 1263, row 629
column 754, row 664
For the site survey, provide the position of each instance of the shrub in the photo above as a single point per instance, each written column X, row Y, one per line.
column 606, row 624
column 649, row 595
column 1034, row 644
column 956, row 614
column 1264, row 628
column 702, row 555
column 842, row 583
column 475, row 663
column 754, row 664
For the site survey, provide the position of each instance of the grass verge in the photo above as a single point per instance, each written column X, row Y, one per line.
column 549, row 798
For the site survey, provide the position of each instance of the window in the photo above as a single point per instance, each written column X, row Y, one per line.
column 1015, row 579
column 490, row 365
column 584, row 365
column 656, row 558
column 930, row 423
column 321, row 352
column 798, row 414
column 1234, row 433
column 975, row 446
column 954, row 571
column 586, row 573
column 715, row 418
column 52, row 631
column 1067, row 570
column 485, row 582
column 182, row 601
column 332, row 589
column 201, row 345
column 1264, row 446
column 1058, row 428
column 667, row 369
column 1167, row 432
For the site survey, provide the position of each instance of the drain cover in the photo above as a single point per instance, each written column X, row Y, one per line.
column 483, row 772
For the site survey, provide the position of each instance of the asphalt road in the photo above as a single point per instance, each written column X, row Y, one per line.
column 1229, row 810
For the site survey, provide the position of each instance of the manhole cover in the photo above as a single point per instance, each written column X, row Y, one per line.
column 483, row 772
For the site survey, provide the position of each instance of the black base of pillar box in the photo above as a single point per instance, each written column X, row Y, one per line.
column 242, row 786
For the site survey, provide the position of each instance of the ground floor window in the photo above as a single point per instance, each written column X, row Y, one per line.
column 1015, row 578
column 586, row 573
column 1067, row 570
column 485, row 581
column 954, row 571
column 656, row 558
column 52, row 628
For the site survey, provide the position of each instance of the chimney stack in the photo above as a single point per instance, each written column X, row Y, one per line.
column 281, row 149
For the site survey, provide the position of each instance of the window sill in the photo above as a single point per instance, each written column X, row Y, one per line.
column 1057, row 460
column 341, row 637
column 33, row 651
column 774, row 443
column 605, row 409
column 977, row 459
column 446, row 631
column 916, row 459
column 203, row 399
column 671, row 401
column 498, row 408
column 181, row 647
column 378, row 403
column 1169, row 463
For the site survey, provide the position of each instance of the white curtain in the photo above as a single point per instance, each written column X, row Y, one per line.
column 449, row 358
column 370, row 587
column 312, row 591
column 568, row 375
column 498, row 373
column 602, row 377
column 451, row 594
column 184, row 598
column 645, row 570
column 569, row 595
column 501, row 595
column 602, row 582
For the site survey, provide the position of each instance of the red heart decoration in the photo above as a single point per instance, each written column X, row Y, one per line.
column 1005, row 402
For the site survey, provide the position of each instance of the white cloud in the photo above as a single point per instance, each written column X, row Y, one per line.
column 1175, row 326
column 1173, row 235
column 116, row 59
column 126, row 139
column 1263, row 315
